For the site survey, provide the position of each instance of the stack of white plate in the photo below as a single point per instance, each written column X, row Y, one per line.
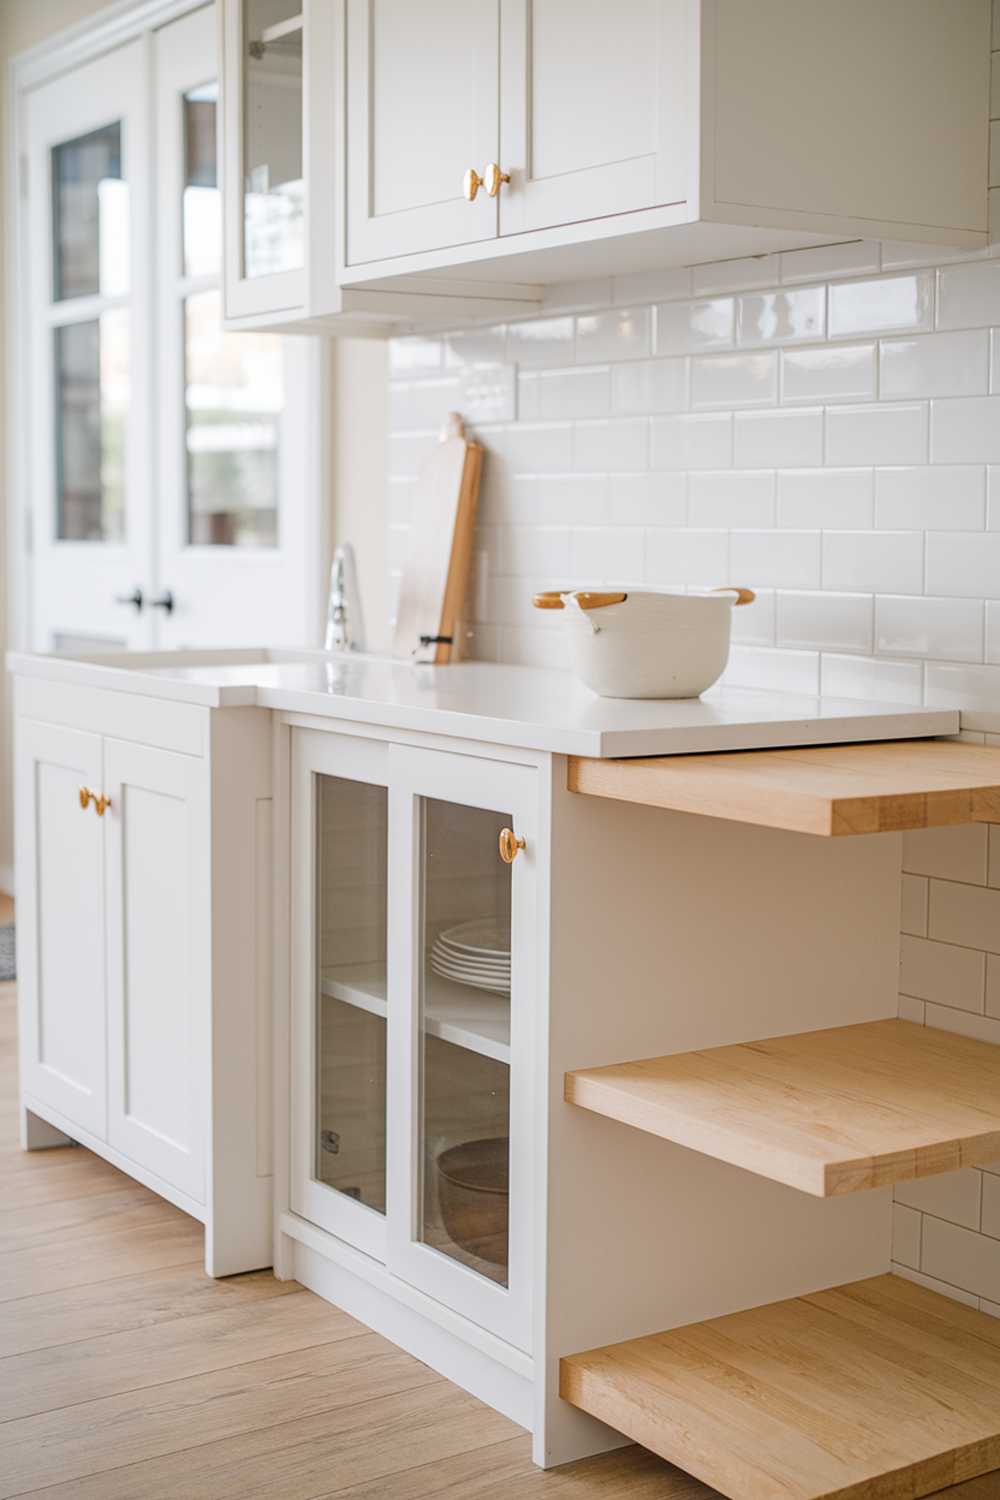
column 476, row 953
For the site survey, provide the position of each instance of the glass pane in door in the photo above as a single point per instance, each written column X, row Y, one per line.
column 234, row 393
column 351, row 881
column 201, row 210
column 89, row 216
column 465, row 1035
column 273, row 205
column 92, row 401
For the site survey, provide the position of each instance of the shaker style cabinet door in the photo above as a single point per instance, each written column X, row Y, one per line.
column 60, row 920
column 159, row 960
column 422, row 108
column 595, row 109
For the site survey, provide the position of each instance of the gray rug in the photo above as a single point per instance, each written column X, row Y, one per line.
column 8, row 964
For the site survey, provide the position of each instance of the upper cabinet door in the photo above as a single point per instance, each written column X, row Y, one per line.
column 596, row 114
column 263, row 154
column 422, row 108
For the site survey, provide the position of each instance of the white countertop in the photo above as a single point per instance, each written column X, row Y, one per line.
column 516, row 706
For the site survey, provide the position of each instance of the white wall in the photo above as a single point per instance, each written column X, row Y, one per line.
column 23, row 23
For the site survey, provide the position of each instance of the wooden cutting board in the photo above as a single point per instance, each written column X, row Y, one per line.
column 436, row 573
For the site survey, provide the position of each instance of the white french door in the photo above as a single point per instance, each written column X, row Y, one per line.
column 176, row 473
column 236, row 530
column 89, row 270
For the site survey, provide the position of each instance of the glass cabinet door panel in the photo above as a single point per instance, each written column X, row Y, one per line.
column 92, row 402
column 465, row 1036
column 273, row 207
column 351, row 885
column 89, row 216
column 234, row 395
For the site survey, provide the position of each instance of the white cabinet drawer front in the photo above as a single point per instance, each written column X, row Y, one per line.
column 61, row 921
column 594, row 109
column 423, row 106
column 159, row 1001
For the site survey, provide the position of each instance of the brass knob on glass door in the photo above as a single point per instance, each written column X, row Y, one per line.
column 471, row 183
column 509, row 845
column 493, row 178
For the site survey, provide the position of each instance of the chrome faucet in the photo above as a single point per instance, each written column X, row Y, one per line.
column 344, row 624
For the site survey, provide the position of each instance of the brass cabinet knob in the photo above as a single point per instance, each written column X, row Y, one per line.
column 493, row 178
column 101, row 803
column 471, row 183
column 509, row 845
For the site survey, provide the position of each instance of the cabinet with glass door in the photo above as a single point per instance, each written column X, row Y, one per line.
column 413, row 934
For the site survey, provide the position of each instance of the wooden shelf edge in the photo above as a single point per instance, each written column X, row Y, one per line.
column 830, row 1112
column 791, row 1398
column 831, row 791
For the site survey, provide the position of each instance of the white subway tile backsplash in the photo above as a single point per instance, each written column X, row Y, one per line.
column 786, row 317
column 970, row 688
column 579, row 296
column 991, row 1209
column 942, row 497
column 582, row 392
column 619, row 446
column 830, row 372
column 415, row 356
column 964, row 563
column 947, row 853
column 995, row 362
column 829, row 499
column 475, row 346
column 731, row 497
column 687, row 557
column 782, row 671
column 966, row 430
column 735, row 275
column 913, row 908
column 951, row 629
column 993, row 630
column 969, row 295
column 853, row 258
column 532, row 551
column 882, row 434
column 935, row 364
column 954, row 1196
column 961, row 1258
column 542, row 341
column 824, row 622
column 775, row 559
column 619, row 333
column 753, row 624
column 607, row 555
column 870, row 677
column 965, row 914
column 942, row 973
column 649, row 385
column 993, row 985
column 963, row 1022
column 690, row 327
column 933, row 1284
column 906, row 1225
column 885, row 305
column 652, row 286
column 873, row 561
column 648, row 499
column 727, row 380
column 791, row 438
column 697, row 440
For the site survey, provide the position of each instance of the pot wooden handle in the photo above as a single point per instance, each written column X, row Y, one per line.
column 553, row 599
column 743, row 596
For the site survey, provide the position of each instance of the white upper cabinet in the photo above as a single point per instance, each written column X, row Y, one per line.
column 595, row 109
column 423, row 108
column 650, row 133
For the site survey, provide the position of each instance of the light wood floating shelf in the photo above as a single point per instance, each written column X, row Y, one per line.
column 872, row 1391
column 830, row 790
column 827, row 1112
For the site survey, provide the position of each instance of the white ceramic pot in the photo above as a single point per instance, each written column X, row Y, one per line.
column 644, row 645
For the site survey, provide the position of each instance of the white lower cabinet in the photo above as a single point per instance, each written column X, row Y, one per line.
column 144, row 913
column 413, row 983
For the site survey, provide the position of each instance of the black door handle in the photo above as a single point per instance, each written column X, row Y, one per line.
column 135, row 599
column 164, row 602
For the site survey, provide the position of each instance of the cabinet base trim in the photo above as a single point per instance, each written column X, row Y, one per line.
column 402, row 1295
column 126, row 1164
column 381, row 1309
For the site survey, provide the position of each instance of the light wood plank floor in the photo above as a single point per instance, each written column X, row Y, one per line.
column 127, row 1374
